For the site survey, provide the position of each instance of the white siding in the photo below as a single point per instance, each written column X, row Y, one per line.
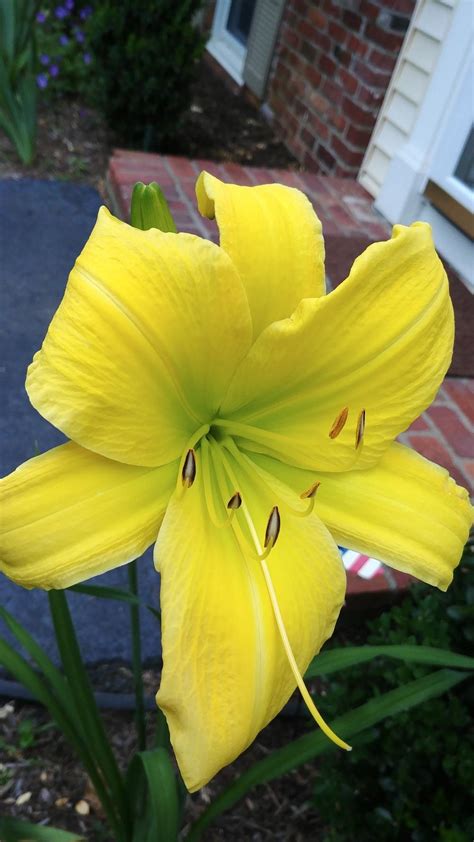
column 419, row 55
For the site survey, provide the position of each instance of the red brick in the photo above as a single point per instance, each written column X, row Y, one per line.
column 454, row 430
column 341, row 216
column 358, row 137
column 377, row 78
column 387, row 40
column 337, row 32
column 332, row 92
column 346, row 172
column 404, row 7
column 327, row 158
column 182, row 167
column 431, row 448
column 463, row 395
column 288, row 177
column 290, row 37
column 319, row 103
column 327, row 65
column 307, row 30
column 338, row 121
column 308, row 138
column 356, row 584
column 402, row 580
column 260, row 175
column 318, row 18
column 314, row 183
column 382, row 60
column 369, row 10
column 319, row 127
column 313, row 76
column 369, row 97
column 352, row 20
column 359, row 115
column 322, row 41
column 348, row 81
column 357, row 46
column 419, row 425
column 308, row 51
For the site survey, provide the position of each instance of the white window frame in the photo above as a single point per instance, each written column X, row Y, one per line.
column 226, row 49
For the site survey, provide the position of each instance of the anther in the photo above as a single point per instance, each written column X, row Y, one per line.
column 273, row 528
column 310, row 492
column 188, row 474
column 235, row 501
column 360, row 429
column 339, row 423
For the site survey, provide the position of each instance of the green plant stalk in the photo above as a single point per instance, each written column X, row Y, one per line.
column 137, row 658
column 91, row 720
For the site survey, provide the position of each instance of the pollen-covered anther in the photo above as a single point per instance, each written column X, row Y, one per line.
column 273, row 528
column 235, row 501
column 310, row 492
column 339, row 423
column 188, row 474
column 360, row 429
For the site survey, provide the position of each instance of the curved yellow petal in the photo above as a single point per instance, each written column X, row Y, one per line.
column 275, row 240
column 125, row 369
column 225, row 673
column 377, row 347
column 405, row 511
column 70, row 514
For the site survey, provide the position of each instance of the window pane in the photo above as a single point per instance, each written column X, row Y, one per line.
column 239, row 20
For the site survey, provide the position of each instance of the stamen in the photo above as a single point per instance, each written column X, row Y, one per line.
column 256, row 472
column 360, row 429
column 273, row 528
column 310, row 493
column 294, row 666
column 180, row 485
column 339, row 423
column 235, row 501
column 188, row 474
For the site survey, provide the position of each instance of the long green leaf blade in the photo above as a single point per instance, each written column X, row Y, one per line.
column 152, row 779
column 312, row 744
column 348, row 656
column 16, row 830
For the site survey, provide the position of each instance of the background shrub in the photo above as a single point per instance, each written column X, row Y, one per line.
column 144, row 54
column 410, row 778
column 64, row 57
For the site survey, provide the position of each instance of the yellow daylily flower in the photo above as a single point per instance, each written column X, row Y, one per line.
column 217, row 400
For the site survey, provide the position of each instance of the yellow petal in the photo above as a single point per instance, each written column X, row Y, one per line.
column 380, row 343
column 275, row 240
column 70, row 514
column 405, row 511
column 225, row 673
column 142, row 347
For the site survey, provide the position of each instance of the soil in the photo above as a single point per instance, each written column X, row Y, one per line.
column 41, row 781
column 73, row 142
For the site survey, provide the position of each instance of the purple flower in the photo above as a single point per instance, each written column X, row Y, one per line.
column 42, row 81
column 60, row 12
column 69, row 5
column 79, row 36
column 53, row 70
column 40, row 17
column 44, row 60
column 85, row 12
column 87, row 58
column 63, row 40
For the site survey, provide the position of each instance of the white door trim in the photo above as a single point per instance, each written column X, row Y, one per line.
column 229, row 52
column 401, row 197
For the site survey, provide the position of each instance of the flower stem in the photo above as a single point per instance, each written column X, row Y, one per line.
column 137, row 659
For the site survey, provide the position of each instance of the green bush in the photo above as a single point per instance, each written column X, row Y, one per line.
column 410, row 778
column 144, row 54
column 64, row 58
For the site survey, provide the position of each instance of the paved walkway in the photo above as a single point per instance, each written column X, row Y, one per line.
column 444, row 433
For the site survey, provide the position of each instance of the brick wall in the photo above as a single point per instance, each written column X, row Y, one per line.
column 332, row 66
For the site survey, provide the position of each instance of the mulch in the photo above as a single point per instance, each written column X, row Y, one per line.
column 342, row 251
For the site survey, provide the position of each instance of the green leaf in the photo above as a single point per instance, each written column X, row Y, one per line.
column 348, row 656
column 151, row 780
column 106, row 593
column 16, row 830
column 310, row 745
column 89, row 713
